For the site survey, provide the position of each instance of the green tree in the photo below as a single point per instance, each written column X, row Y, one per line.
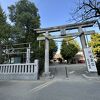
column 41, row 52
column 95, row 43
column 52, row 49
column 25, row 18
column 69, row 48
column 4, row 27
column 4, row 32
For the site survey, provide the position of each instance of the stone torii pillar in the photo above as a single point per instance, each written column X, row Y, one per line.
column 82, row 38
column 46, row 72
column 46, row 63
column 89, row 58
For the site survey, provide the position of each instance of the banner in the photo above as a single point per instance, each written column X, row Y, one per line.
column 90, row 60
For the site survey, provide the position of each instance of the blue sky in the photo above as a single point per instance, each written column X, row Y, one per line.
column 52, row 12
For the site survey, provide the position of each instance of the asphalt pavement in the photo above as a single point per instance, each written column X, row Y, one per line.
column 74, row 87
column 56, row 89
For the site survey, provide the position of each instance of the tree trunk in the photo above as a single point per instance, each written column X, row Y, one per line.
column 68, row 61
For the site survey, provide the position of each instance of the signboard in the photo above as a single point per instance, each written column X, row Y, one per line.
column 28, row 55
column 90, row 60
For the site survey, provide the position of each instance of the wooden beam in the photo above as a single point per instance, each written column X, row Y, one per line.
column 66, row 27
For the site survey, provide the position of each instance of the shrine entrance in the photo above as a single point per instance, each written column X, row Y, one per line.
column 91, row 67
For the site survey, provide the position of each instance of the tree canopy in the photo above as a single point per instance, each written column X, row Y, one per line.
column 69, row 48
column 40, row 53
column 95, row 43
column 25, row 18
column 52, row 48
column 4, row 27
column 4, row 32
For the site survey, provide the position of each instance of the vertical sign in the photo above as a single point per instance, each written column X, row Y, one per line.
column 28, row 55
column 90, row 60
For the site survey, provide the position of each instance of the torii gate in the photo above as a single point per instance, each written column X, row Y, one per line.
column 63, row 29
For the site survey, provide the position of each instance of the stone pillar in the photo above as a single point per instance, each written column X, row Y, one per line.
column 83, row 41
column 36, row 68
column 28, row 55
column 82, row 38
column 46, row 55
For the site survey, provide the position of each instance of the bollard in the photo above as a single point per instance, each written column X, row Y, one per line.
column 66, row 72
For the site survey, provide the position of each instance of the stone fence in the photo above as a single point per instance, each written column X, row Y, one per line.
column 27, row 71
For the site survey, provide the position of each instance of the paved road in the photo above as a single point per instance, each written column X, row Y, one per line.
column 73, row 70
column 76, row 87
column 57, row 89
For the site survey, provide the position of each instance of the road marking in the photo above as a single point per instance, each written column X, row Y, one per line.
column 36, row 89
column 90, row 77
column 71, row 72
